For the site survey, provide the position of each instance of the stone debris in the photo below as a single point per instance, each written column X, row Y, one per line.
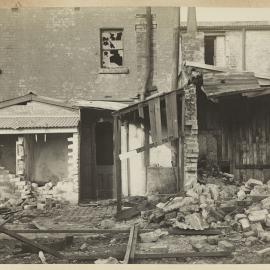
column 210, row 206
column 83, row 247
column 152, row 236
column 213, row 239
column 264, row 252
column 42, row 257
column 109, row 260
column 251, row 240
column 258, row 216
column 226, row 245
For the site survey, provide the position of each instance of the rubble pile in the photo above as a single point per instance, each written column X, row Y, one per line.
column 34, row 197
column 244, row 209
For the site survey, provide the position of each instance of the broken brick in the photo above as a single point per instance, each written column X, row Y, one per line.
column 258, row 216
column 253, row 182
column 245, row 224
column 152, row 236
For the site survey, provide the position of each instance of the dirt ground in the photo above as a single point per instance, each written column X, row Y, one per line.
column 13, row 251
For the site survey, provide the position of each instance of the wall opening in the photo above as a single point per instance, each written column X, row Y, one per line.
column 209, row 50
column 104, row 159
column 8, row 152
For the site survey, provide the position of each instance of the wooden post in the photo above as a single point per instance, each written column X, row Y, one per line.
column 181, row 149
column 117, row 163
column 243, row 49
column 175, row 55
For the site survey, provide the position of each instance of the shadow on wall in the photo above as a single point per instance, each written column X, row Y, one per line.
column 50, row 158
column 8, row 152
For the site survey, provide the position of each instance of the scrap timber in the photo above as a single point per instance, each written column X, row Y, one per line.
column 156, row 113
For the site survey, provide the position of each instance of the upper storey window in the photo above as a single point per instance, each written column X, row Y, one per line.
column 112, row 51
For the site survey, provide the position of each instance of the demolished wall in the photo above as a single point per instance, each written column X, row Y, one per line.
column 17, row 187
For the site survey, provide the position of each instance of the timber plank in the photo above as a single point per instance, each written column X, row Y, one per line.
column 158, row 120
column 169, row 117
column 183, row 255
column 130, row 252
column 129, row 245
column 173, row 104
column 153, row 129
column 31, row 243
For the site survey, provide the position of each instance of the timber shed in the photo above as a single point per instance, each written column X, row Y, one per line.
column 234, row 122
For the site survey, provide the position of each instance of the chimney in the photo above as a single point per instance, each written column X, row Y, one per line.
column 192, row 46
column 191, row 20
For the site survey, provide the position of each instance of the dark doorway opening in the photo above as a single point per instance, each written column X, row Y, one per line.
column 209, row 50
column 104, row 159
column 96, row 155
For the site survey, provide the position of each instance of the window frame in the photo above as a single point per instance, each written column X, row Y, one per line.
column 112, row 70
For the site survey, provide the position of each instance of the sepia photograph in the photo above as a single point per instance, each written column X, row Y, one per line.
column 134, row 134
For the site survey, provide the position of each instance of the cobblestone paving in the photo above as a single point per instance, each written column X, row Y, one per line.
column 76, row 217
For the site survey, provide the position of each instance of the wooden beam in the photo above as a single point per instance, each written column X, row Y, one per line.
column 38, row 130
column 205, row 66
column 117, row 162
column 243, row 49
column 175, row 51
column 183, row 255
column 175, row 231
column 181, row 154
column 31, row 243
column 143, row 148
column 158, row 120
column 133, row 247
column 130, row 252
column 75, row 231
column 153, row 128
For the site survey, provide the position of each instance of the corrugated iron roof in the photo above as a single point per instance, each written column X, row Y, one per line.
column 16, row 122
column 229, row 83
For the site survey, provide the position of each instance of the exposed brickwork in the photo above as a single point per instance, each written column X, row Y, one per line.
column 191, row 137
column 193, row 47
column 56, row 52
column 192, row 50
column 68, row 189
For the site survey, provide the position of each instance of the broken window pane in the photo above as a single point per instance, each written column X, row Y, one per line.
column 112, row 48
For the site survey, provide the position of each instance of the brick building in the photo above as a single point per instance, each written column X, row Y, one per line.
column 99, row 60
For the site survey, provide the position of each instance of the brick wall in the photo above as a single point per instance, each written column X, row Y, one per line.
column 68, row 189
column 193, row 47
column 258, row 51
column 56, row 51
column 191, row 147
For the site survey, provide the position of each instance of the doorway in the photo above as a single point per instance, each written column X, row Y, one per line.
column 104, row 159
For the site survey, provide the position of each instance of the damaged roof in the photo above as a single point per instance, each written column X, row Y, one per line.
column 99, row 104
column 221, row 81
column 229, row 83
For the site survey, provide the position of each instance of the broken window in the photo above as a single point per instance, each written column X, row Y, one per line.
column 111, row 48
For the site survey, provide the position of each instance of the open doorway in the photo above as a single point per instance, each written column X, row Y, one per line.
column 104, row 159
